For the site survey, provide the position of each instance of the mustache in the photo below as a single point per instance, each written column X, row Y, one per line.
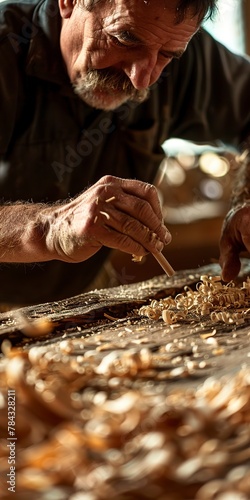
column 109, row 81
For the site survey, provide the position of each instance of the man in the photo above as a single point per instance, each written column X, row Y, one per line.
column 77, row 111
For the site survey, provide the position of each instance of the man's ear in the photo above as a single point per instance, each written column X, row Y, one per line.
column 66, row 7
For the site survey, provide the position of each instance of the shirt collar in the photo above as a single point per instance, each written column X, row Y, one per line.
column 44, row 59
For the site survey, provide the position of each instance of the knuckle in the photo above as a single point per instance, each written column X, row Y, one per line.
column 129, row 226
column 142, row 208
column 107, row 188
column 151, row 189
column 130, row 246
column 101, row 192
column 107, row 179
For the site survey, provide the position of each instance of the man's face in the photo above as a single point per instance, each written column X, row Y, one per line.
column 118, row 50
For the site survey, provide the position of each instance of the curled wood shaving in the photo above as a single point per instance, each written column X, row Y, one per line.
column 105, row 214
column 83, row 432
column 137, row 258
column 223, row 303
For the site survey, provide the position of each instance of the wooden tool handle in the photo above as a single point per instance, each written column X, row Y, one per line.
column 164, row 263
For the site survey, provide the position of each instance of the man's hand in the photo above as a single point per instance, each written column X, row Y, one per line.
column 235, row 238
column 118, row 213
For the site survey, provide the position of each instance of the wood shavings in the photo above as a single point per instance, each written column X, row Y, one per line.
column 108, row 316
column 209, row 334
column 105, row 214
column 33, row 328
column 89, row 434
column 137, row 258
column 211, row 298
column 110, row 199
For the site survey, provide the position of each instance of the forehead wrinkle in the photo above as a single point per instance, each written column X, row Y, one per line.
column 187, row 27
column 120, row 23
column 114, row 17
column 166, row 42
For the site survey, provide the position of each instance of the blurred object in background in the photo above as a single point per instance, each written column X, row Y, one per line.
column 194, row 182
column 195, row 185
column 230, row 25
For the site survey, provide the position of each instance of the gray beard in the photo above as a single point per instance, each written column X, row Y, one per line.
column 112, row 83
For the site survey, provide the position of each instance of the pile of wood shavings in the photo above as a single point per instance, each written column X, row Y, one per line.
column 84, row 433
column 225, row 303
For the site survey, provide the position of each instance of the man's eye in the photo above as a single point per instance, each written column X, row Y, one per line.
column 122, row 41
column 167, row 58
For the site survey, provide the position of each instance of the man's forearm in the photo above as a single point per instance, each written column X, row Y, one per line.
column 116, row 213
column 21, row 234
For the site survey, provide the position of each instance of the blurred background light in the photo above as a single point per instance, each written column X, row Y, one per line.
column 213, row 164
column 174, row 173
column 211, row 189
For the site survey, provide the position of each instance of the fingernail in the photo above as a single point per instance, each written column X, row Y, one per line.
column 159, row 246
column 168, row 237
column 167, row 234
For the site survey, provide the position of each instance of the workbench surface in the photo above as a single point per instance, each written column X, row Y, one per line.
column 112, row 404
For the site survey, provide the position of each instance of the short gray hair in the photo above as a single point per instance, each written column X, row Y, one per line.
column 201, row 8
column 88, row 4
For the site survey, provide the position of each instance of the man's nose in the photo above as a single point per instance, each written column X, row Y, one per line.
column 143, row 72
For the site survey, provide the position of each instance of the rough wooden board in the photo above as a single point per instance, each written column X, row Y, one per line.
column 88, row 308
column 109, row 317
column 120, row 302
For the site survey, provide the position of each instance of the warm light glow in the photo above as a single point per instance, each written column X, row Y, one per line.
column 212, row 164
column 174, row 173
column 187, row 161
